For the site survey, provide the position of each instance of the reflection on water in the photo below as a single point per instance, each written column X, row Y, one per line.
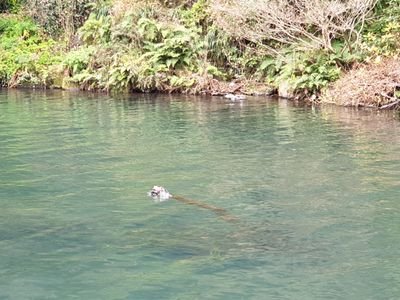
column 315, row 191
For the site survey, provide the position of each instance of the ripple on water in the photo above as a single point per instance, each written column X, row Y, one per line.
column 315, row 194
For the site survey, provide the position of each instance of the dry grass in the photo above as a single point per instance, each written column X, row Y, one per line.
column 122, row 8
column 371, row 85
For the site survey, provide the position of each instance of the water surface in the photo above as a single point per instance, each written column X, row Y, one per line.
column 316, row 192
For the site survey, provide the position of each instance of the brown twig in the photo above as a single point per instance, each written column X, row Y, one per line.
column 372, row 85
column 289, row 22
column 394, row 103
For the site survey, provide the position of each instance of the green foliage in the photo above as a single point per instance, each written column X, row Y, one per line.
column 100, row 8
column 162, row 51
column 124, row 72
column 181, row 81
column 78, row 60
column 314, row 73
column 96, row 30
column 60, row 17
column 306, row 71
column 382, row 34
column 24, row 55
column 167, row 49
column 122, row 77
column 168, row 46
column 15, row 28
column 124, row 32
column 10, row 5
column 149, row 30
column 178, row 48
column 197, row 15
column 215, row 72
column 220, row 49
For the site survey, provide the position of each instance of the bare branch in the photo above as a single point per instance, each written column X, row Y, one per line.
column 311, row 23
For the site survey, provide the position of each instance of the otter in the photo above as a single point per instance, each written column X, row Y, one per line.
column 160, row 194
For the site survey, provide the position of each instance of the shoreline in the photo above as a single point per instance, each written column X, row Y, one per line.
column 232, row 94
column 292, row 101
column 123, row 52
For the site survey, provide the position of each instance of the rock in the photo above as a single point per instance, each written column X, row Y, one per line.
column 286, row 90
column 68, row 84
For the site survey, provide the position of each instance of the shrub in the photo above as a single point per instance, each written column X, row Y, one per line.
column 311, row 23
column 306, row 72
column 24, row 54
column 381, row 36
column 78, row 60
column 374, row 84
column 96, row 30
column 58, row 17
column 10, row 5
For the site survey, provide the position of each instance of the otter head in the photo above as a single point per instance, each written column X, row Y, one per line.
column 160, row 193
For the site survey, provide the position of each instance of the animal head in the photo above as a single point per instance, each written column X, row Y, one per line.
column 156, row 190
column 159, row 192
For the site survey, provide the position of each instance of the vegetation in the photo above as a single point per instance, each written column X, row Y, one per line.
column 10, row 5
column 26, row 56
column 298, row 48
column 376, row 81
column 368, row 86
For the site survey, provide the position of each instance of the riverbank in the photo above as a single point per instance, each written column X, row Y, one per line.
column 368, row 85
column 193, row 47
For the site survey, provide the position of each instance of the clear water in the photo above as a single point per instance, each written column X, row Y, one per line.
column 316, row 192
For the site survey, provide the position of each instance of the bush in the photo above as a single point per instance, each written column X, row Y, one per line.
column 10, row 5
column 307, row 72
column 24, row 54
column 313, row 24
column 371, row 85
column 381, row 36
column 58, row 17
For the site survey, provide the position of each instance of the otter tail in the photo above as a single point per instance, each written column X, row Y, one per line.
column 219, row 211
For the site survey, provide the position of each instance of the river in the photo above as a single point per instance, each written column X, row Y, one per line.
column 315, row 193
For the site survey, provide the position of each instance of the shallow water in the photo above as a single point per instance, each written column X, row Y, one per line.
column 316, row 193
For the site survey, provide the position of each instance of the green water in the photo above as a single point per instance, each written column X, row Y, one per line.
column 316, row 193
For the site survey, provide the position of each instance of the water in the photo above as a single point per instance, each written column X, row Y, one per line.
column 316, row 193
